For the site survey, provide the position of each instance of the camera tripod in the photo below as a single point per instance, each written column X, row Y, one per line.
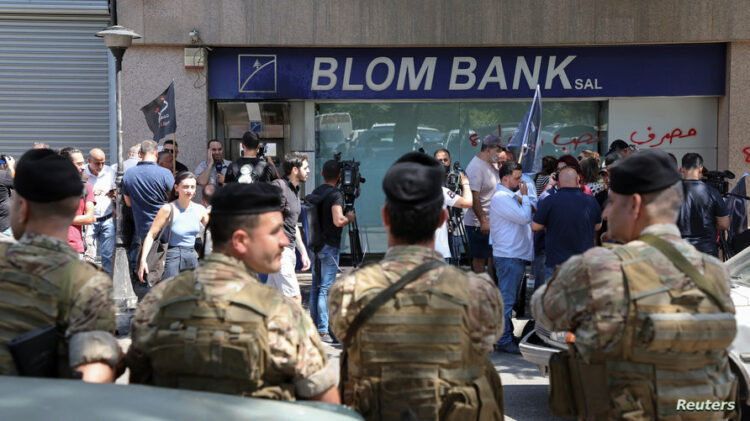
column 354, row 243
column 457, row 229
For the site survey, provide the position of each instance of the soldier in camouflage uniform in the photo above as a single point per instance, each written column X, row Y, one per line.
column 215, row 328
column 423, row 353
column 42, row 282
column 650, row 332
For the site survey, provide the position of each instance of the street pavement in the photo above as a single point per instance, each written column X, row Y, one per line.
column 525, row 390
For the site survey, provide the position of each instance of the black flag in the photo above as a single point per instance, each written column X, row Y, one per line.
column 160, row 114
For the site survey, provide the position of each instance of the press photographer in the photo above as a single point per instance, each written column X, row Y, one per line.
column 703, row 210
column 456, row 196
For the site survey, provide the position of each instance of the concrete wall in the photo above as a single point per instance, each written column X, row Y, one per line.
column 146, row 72
column 436, row 22
column 738, row 118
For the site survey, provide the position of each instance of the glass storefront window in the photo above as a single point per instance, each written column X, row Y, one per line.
column 377, row 133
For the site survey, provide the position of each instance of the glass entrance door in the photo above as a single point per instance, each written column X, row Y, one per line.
column 269, row 119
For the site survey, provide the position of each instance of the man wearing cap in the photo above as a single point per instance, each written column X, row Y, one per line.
column 412, row 325
column 217, row 329
column 482, row 172
column 42, row 281
column 652, row 318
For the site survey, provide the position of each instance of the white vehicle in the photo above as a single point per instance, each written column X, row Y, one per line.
column 331, row 121
column 538, row 345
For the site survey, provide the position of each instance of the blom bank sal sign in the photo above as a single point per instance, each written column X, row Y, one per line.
column 456, row 73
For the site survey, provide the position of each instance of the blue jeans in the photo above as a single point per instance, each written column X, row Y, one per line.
column 537, row 269
column 104, row 238
column 325, row 267
column 509, row 273
column 179, row 259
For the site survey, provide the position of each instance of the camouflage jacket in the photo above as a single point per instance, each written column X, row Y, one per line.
column 485, row 313
column 297, row 354
column 586, row 296
column 91, row 309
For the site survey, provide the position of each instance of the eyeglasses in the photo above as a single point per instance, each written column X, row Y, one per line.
column 632, row 147
column 168, row 150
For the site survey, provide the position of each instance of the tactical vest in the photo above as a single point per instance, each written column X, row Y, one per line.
column 213, row 346
column 29, row 301
column 414, row 358
column 673, row 348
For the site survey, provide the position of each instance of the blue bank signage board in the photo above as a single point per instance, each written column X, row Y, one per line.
column 464, row 73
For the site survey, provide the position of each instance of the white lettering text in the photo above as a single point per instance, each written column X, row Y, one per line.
column 388, row 78
column 324, row 73
column 426, row 72
column 494, row 73
column 467, row 72
column 559, row 71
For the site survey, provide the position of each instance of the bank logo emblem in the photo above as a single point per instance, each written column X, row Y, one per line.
column 257, row 72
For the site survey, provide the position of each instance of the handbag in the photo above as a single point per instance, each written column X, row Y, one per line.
column 158, row 253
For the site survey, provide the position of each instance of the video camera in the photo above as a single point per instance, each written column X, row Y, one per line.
column 261, row 150
column 350, row 179
column 453, row 179
column 718, row 180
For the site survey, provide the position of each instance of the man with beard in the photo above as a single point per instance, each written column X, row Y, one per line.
column 512, row 243
column 482, row 173
column 296, row 169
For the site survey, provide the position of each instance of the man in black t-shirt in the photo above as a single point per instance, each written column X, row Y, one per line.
column 326, row 261
column 250, row 168
column 296, row 169
column 703, row 210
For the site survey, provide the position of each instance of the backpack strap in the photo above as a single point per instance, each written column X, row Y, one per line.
column 385, row 295
column 677, row 259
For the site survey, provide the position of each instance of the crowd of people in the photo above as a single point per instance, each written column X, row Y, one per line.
column 415, row 330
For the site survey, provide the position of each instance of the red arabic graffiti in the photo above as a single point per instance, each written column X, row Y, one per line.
column 584, row 139
column 674, row 134
column 747, row 154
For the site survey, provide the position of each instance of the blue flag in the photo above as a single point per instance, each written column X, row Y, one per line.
column 737, row 207
column 527, row 140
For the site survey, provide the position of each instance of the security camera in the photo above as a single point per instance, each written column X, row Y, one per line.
column 194, row 37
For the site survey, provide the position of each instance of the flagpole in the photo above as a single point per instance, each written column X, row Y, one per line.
column 174, row 155
column 524, row 144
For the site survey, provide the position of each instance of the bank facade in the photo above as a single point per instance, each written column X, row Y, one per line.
column 371, row 83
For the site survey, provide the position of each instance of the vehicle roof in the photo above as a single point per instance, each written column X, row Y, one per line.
column 59, row 399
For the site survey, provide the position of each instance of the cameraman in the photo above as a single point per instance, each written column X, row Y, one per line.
column 214, row 168
column 703, row 211
column 330, row 203
column 455, row 183
column 250, row 167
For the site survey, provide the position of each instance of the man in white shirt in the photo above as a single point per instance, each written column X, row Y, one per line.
column 100, row 237
column 214, row 168
column 483, row 179
column 512, row 242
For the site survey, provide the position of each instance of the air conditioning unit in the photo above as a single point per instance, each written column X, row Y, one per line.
column 195, row 58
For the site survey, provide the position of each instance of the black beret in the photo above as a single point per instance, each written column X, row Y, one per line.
column 643, row 172
column 44, row 176
column 246, row 199
column 414, row 181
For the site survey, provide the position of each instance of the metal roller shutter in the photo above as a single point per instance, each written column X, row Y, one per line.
column 54, row 75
